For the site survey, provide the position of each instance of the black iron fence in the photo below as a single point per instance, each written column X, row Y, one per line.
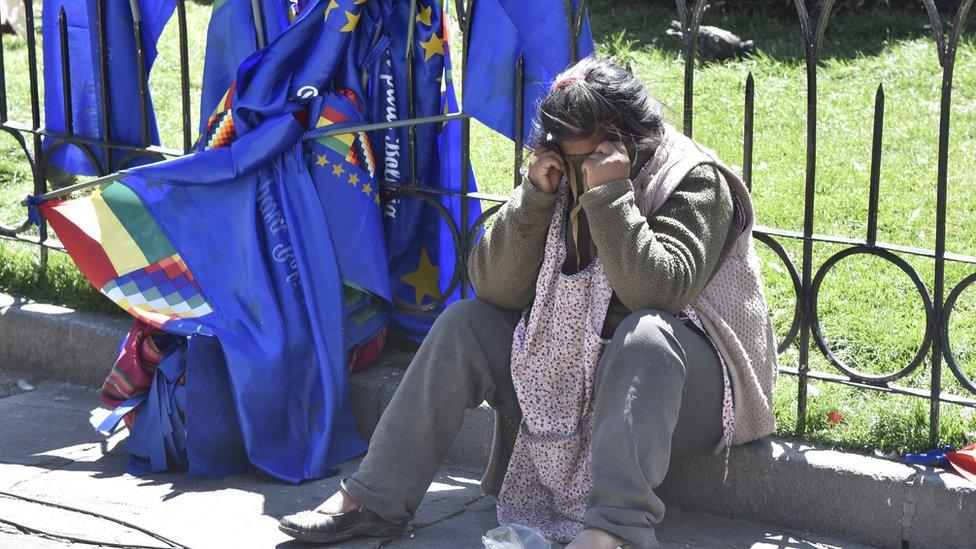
column 806, row 279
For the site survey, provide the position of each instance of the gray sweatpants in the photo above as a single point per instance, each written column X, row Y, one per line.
column 658, row 397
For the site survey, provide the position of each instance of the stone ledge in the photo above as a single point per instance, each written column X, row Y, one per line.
column 772, row 480
column 57, row 342
column 873, row 500
column 373, row 389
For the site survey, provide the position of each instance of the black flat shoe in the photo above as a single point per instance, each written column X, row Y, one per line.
column 315, row 527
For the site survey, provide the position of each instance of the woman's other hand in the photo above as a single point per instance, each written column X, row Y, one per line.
column 545, row 169
column 609, row 162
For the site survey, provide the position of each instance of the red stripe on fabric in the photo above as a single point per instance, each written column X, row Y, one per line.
column 86, row 252
column 334, row 115
column 229, row 96
column 350, row 95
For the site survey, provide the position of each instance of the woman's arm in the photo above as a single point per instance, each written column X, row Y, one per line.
column 504, row 264
column 661, row 262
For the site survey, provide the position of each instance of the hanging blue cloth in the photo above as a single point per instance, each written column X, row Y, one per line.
column 231, row 37
column 343, row 168
column 264, row 363
column 158, row 439
column 502, row 30
column 419, row 241
column 125, row 125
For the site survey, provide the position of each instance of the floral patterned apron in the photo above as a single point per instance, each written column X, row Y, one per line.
column 555, row 352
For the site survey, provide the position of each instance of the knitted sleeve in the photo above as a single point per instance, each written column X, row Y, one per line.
column 504, row 265
column 662, row 261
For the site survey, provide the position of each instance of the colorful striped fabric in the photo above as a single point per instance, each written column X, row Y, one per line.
column 119, row 247
column 355, row 147
column 220, row 126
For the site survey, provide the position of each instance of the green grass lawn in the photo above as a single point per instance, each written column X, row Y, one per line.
column 870, row 312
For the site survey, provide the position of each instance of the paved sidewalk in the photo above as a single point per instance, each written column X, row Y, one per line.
column 50, row 453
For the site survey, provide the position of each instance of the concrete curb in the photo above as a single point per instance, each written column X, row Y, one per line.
column 858, row 497
column 871, row 500
column 57, row 342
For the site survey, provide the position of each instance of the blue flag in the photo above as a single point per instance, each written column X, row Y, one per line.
column 343, row 167
column 233, row 248
column 231, row 37
column 125, row 125
column 502, row 30
column 267, row 268
column 420, row 246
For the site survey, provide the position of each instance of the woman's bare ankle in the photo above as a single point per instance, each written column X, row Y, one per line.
column 340, row 502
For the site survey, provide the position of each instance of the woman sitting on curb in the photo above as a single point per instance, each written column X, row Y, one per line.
column 620, row 325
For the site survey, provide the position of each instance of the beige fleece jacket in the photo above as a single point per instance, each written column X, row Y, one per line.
column 659, row 262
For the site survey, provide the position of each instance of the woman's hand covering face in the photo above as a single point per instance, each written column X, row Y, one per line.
column 609, row 162
column 545, row 169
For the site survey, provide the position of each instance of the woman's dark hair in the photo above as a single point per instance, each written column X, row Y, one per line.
column 597, row 92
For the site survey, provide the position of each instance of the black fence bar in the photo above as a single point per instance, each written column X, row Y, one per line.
column 154, row 150
column 689, row 35
column 35, row 97
column 577, row 29
column 69, row 125
column 312, row 134
column 3, row 85
column 257, row 15
column 809, row 195
column 748, row 130
column 519, row 121
column 947, row 54
column 411, row 91
column 141, row 72
column 465, row 204
column 879, row 106
column 805, row 277
column 39, row 168
column 184, row 75
column 571, row 26
column 828, row 239
column 891, row 389
column 103, row 76
column 464, row 22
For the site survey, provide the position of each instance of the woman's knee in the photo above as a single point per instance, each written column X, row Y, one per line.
column 469, row 346
column 471, row 333
column 645, row 342
column 646, row 321
column 475, row 314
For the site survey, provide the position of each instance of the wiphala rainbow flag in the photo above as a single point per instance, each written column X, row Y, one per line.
column 120, row 249
column 355, row 148
column 220, row 126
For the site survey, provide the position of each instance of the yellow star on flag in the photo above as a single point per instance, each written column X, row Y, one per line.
column 357, row 2
column 332, row 5
column 376, row 198
column 423, row 16
column 424, row 279
column 353, row 179
column 320, row 160
column 337, row 169
column 367, row 188
column 351, row 20
column 433, row 46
